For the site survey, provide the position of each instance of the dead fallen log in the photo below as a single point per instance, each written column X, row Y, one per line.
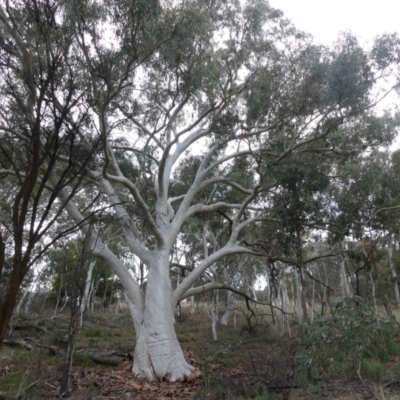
column 106, row 358
column 20, row 327
column 99, row 357
column 18, row 343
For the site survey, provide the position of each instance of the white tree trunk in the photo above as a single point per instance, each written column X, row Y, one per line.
column 214, row 317
column 230, row 302
column 313, row 301
column 280, row 302
column 18, row 309
column 230, row 308
column 343, row 278
column 298, row 299
column 158, row 353
column 393, row 272
column 118, row 306
column 192, row 306
column 373, row 292
column 66, row 299
column 58, row 299
column 85, row 300
column 31, row 295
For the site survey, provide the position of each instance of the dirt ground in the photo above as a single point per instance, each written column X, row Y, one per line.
column 245, row 362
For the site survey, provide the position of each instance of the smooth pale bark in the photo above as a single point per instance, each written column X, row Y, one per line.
column 158, row 353
column 303, row 294
column 280, row 302
column 393, row 272
column 230, row 298
column 284, row 302
column 28, row 303
column 88, row 284
column 313, row 301
column 18, row 309
column 192, row 308
column 230, row 308
column 58, row 299
column 287, row 306
column 66, row 299
column 373, row 292
column 214, row 318
column 343, row 277
column 298, row 299
column 270, row 298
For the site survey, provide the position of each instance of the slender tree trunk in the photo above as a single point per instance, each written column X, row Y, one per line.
column 230, row 302
column 282, row 304
column 85, row 299
column 230, row 308
column 313, row 301
column 76, row 284
column 58, row 299
column 303, row 294
column 270, row 299
column 118, row 306
column 18, row 309
column 192, row 305
column 31, row 295
column 69, row 355
column 343, row 277
column 373, row 292
column 298, row 299
column 393, row 272
column 213, row 313
column 103, row 300
column 66, row 299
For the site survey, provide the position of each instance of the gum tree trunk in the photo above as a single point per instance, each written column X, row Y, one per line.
column 393, row 272
column 158, row 353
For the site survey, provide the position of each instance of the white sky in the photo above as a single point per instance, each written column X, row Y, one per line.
column 325, row 19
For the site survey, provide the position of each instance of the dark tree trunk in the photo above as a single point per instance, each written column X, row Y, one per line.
column 9, row 301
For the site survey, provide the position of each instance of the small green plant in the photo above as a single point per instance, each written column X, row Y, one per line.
column 83, row 359
column 372, row 369
column 92, row 332
column 397, row 370
column 354, row 340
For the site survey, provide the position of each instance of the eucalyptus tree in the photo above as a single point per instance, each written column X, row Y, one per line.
column 234, row 86
column 366, row 210
column 39, row 84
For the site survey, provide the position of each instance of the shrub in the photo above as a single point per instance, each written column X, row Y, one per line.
column 353, row 340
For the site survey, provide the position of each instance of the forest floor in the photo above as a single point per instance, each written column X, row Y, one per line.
column 251, row 361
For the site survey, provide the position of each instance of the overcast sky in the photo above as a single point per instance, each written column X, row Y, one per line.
column 325, row 19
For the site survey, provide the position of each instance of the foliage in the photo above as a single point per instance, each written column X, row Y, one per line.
column 354, row 339
column 63, row 261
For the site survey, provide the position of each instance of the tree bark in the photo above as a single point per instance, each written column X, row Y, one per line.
column 343, row 278
column 230, row 308
column 88, row 285
column 393, row 272
column 158, row 353
column 230, row 302
column 9, row 301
